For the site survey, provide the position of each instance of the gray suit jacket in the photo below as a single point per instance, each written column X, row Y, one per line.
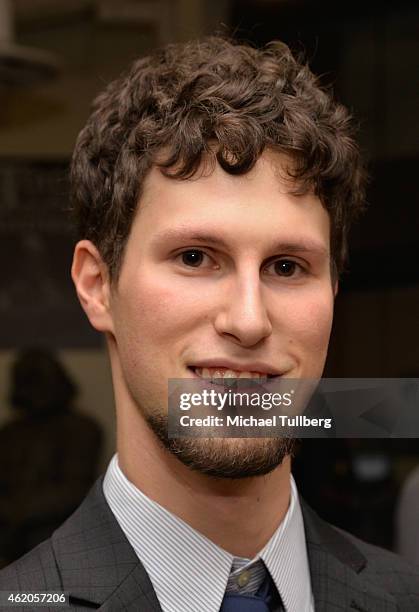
column 90, row 558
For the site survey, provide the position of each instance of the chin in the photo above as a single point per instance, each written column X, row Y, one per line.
column 233, row 458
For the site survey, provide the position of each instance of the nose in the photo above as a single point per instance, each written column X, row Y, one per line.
column 243, row 316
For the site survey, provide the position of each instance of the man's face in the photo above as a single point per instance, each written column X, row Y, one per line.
column 221, row 270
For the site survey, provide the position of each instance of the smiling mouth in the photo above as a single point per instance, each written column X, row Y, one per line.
column 217, row 373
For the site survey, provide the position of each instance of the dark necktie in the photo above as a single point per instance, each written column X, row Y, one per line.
column 234, row 602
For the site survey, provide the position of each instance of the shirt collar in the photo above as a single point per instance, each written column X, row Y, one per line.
column 186, row 568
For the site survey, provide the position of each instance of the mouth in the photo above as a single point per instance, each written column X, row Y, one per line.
column 219, row 372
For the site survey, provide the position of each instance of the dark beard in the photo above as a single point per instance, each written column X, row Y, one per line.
column 224, row 457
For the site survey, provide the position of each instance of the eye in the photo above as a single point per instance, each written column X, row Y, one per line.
column 192, row 258
column 286, row 267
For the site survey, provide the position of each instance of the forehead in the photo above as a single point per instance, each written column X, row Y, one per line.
column 245, row 209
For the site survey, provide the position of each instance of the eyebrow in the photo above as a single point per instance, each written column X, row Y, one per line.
column 305, row 245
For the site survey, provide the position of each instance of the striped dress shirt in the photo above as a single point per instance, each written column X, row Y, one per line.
column 190, row 573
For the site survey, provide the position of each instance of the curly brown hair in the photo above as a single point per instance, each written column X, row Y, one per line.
column 185, row 98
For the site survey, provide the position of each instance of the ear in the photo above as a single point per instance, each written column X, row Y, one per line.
column 335, row 288
column 91, row 279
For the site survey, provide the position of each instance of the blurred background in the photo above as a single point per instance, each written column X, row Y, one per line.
column 54, row 58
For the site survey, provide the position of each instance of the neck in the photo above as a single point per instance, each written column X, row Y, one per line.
column 209, row 505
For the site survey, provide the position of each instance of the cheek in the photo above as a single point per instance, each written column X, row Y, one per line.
column 309, row 321
column 153, row 312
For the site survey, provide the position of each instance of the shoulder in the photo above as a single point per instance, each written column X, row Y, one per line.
column 389, row 572
column 89, row 558
column 384, row 562
column 35, row 570
column 339, row 559
column 41, row 567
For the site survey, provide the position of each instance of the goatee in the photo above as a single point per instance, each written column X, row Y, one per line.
column 224, row 457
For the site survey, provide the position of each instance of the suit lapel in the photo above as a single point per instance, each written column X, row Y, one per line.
column 135, row 593
column 97, row 564
column 336, row 567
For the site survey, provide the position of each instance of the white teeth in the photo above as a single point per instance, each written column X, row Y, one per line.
column 230, row 374
column 214, row 373
column 219, row 374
